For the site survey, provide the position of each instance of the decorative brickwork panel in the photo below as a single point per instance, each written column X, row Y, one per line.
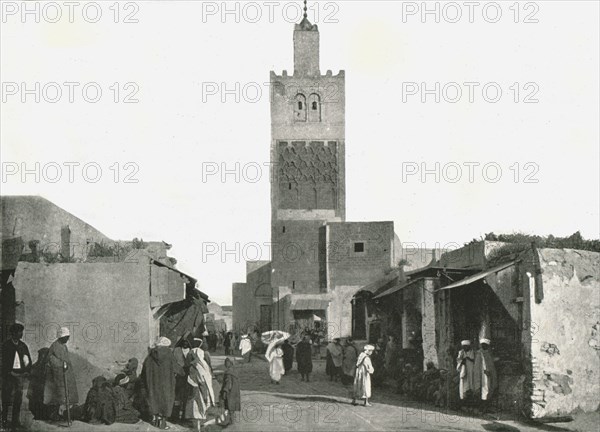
column 307, row 174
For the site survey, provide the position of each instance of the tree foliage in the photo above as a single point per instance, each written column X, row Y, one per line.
column 574, row 241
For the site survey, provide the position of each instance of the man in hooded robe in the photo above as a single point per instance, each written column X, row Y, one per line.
column 362, row 378
column 349, row 362
column 181, row 352
column 335, row 357
column 200, row 394
column 130, row 370
column 230, row 391
column 485, row 379
column 35, row 391
column 274, row 356
column 390, row 357
column 99, row 407
column 58, row 366
column 125, row 412
column 158, row 372
column 304, row 357
column 288, row 355
column 465, row 366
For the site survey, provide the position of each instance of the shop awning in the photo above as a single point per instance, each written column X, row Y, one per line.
column 395, row 289
column 309, row 304
column 478, row 276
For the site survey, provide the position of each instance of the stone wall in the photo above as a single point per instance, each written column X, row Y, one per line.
column 296, row 253
column 565, row 333
column 249, row 296
column 105, row 306
column 40, row 219
column 241, row 298
column 348, row 267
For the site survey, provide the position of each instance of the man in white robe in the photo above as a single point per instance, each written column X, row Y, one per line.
column 465, row 366
column 486, row 380
column 362, row 378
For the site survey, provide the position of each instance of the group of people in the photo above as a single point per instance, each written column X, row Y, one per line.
column 53, row 389
column 343, row 363
column 478, row 379
column 341, row 360
column 178, row 383
column 175, row 384
column 217, row 339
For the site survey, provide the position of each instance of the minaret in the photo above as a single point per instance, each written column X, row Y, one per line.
column 308, row 160
column 306, row 47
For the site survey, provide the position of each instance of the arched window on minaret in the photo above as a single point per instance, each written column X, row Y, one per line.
column 300, row 108
column 314, row 108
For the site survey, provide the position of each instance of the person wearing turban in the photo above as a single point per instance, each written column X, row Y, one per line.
column 485, row 379
column 59, row 367
column 362, row 378
column 465, row 364
column 159, row 374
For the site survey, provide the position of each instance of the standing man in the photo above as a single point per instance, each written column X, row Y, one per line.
column 158, row 372
column 202, row 396
column 391, row 357
column 335, row 357
column 58, row 370
column 349, row 363
column 485, row 380
column 304, row 357
column 246, row 348
column 288, row 356
column 227, row 343
column 362, row 379
column 465, row 366
column 16, row 366
column 230, row 392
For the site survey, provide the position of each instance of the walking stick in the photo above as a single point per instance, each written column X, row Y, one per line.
column 67, row 394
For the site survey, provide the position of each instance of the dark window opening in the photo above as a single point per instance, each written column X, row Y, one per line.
column 359, row 247
column 289, row 186
column 300, row 105
column 284, row 229
column 293, row 285
column 315, row 106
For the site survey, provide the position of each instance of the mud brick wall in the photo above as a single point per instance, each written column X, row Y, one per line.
column 565, row 348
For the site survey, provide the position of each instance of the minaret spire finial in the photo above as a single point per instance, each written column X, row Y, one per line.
column 305, row 23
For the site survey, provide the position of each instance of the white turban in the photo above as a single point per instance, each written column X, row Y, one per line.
column 484, row 341
column 368, row 348
column 163, row 342
column 465, row 342
column 62, row 332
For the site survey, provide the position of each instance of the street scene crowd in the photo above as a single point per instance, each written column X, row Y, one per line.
column 176, row 379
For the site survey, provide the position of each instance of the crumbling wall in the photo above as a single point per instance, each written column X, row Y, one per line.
column 565, row 328
column 339, row 317
column 105, row 306
column 428, row 322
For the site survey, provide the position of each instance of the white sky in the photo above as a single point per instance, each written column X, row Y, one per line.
column 170, row 133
